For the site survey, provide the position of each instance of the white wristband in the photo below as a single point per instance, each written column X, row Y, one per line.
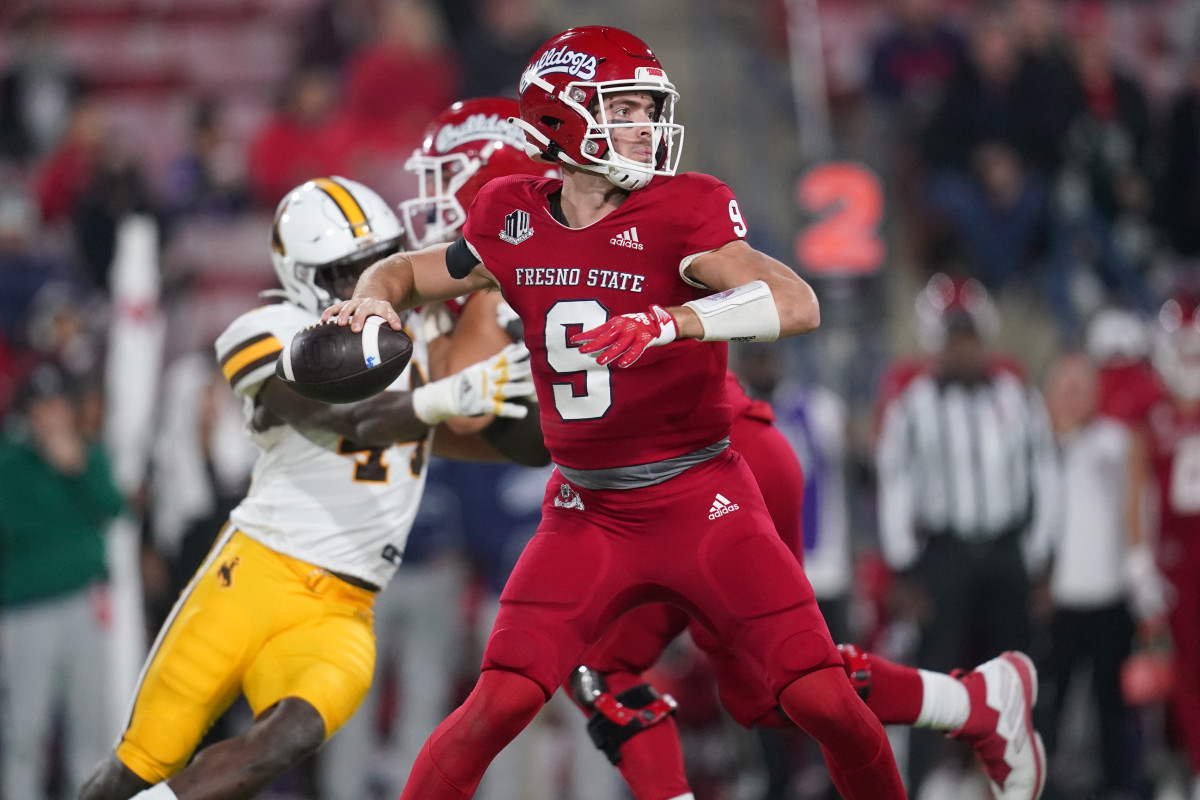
column 434, row 402
column 159, row 791
column 744, row 313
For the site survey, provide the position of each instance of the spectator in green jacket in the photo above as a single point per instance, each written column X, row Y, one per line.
column 57, row 497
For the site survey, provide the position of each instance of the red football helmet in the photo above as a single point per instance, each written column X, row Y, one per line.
column 562, row 92
column 944, row 298
column 466, row 146
column 1177, row 346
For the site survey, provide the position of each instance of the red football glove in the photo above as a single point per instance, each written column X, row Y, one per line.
column 623, row 339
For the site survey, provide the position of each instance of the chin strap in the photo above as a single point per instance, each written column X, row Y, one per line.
column 618, row 718
column 629, row 178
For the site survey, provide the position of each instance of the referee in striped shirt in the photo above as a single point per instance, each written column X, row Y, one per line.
column 969, row 505
column 969, row 498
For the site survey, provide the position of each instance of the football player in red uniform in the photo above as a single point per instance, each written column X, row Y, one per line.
column 1165, row 452
column 612, row 271
column 467, row 145
column 645, row 746
column 472, row 143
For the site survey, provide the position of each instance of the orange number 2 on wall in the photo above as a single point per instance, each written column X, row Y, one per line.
column 847, row 201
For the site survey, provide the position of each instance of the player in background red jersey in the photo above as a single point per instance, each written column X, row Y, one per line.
column 464, row 147
column 1165, row 453
column 642, row 449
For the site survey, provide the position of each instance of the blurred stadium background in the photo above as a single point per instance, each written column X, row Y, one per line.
column 1048, row 149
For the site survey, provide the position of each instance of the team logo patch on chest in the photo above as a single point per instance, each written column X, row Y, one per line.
column 516, row 227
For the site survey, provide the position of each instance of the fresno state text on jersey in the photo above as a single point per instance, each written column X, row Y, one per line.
column 564, row 280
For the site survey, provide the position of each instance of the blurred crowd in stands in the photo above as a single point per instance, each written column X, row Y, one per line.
column 1040, row 167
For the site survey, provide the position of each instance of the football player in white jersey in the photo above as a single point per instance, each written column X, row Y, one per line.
column 281, row 609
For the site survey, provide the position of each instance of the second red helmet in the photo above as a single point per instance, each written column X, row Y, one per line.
column 465, row 146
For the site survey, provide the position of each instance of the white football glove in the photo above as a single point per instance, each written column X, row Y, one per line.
column 478, row 389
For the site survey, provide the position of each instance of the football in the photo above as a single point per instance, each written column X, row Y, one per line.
column 333, row 364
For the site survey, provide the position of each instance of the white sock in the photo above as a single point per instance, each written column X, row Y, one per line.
column 945, row 704
column 159, row 791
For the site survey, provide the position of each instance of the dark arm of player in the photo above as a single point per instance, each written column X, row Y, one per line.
column 520, row 440
column 378, row 421
column 405, row 280
column 459, row 447
column 480, row 447
column 515, row 440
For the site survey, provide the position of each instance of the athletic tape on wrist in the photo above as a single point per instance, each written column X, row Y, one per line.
column 434, row 402
column 744, row 313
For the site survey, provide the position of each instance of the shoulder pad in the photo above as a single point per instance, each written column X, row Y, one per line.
column 249, row 347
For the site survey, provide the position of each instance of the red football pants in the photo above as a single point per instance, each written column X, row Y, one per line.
column 671, row 543
column 634, row 643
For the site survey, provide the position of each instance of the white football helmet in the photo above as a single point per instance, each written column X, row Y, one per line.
column 326, row 232
column 1115, row 334
column 1176, row 353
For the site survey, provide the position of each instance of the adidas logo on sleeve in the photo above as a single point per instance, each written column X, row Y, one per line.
column 628, row 238
column 722, row 506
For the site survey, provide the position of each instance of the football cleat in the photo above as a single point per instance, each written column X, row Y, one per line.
column 1000, row 728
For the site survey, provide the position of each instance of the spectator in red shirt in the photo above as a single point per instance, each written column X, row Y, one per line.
column 400, row 81
column 293, row 145
column 67, row 171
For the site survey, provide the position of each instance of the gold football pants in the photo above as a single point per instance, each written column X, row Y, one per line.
column 252, row 621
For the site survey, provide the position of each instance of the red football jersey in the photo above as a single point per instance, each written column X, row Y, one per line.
column 1129, row 391
column 563, row 280
column 742, row 405
column 1174, row 443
